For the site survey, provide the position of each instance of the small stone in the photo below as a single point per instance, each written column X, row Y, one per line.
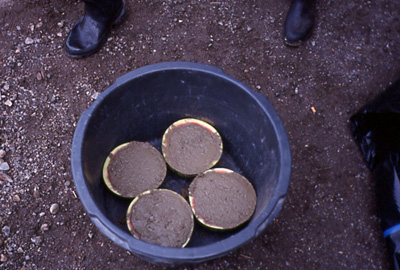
column 8, row 103
column 2, row 153
column 38, row 76
column 20, row 250
column 3, row 258
column 28, row 41
column 5, row 177
column 4, row 166
column 95, row 95
column 59, row 34
column 90, row 234
column 16, row 198
column 6, row 86
column 54, row 208
column 6, row 230
column 40, row 24
column 44, row 227
column 37, row 240
column 36, row 192
column 60, row 24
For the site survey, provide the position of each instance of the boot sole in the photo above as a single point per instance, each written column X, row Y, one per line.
column 298, row 42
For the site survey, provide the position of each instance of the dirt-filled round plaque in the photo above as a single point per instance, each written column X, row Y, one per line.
column 133, row 168
column 161, row 217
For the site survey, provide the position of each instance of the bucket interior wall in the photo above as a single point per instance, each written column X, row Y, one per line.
column 142, row 109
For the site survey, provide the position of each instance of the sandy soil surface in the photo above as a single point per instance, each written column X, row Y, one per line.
column 329, row 219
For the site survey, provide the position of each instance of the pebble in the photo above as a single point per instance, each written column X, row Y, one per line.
column 3, row 258
column 2, row 153
column 37, row 240
column 8, row 103
column 4, row 166
column 20, row 250
column 5, row 177
column 95, row 95
column 54, row 208
column 6, row 230
column 44, row 227
column 36, row 192
column 28, row 41
column 16, row 198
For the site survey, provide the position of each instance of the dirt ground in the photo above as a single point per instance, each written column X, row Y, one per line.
column 329, row 218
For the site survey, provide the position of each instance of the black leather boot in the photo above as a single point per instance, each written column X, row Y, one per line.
column 299, row 22
column 90, row 32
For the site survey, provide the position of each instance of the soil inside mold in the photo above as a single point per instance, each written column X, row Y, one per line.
column 161, row 217
column 135, row 168
column 222, row 199
column 191, row 149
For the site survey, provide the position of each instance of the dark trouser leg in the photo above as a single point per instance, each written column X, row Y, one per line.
column 299, row 21
column 91, row 31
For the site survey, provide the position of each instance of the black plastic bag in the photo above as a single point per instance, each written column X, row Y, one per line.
column 376, row 129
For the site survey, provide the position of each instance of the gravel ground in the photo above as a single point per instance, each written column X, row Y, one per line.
column 329, row 218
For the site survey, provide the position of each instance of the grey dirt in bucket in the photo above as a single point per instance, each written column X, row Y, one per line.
column 191, row 146
column 133, row 168
column 161, row 217
column 222, row 199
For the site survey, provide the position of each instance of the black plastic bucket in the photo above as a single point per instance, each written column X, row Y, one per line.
column 140, row 106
